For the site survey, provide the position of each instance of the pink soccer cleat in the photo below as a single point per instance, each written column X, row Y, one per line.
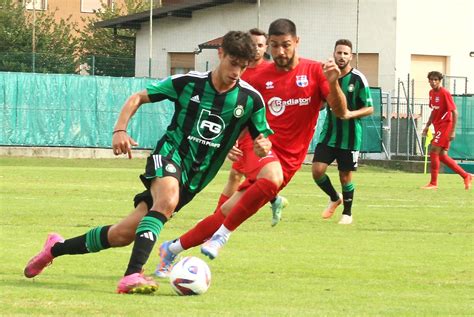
column 40, row 261
column 136, row 283
column 331, row 208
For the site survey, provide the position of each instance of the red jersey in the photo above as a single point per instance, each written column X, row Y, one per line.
column 442, row 104
column 250, row 72
column 293, row 100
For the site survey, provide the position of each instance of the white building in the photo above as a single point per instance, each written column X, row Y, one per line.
column 394, row 38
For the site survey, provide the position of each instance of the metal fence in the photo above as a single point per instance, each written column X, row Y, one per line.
column 56, row 64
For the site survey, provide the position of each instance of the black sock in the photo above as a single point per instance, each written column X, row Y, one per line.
column 148, row 231
column 348, row 196
column 325, row 184
column 94, row 240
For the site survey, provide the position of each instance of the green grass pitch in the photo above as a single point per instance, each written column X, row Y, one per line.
column 408, row 253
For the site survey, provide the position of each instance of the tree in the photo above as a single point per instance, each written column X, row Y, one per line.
column 104, row 51
column 55, row 46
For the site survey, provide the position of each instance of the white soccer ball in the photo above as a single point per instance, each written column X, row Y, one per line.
column 190, row 276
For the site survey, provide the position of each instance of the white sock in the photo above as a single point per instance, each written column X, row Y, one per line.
column 224, row 232
column 176, row 247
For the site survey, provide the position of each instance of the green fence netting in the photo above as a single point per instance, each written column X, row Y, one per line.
column 80, row 111
column 462, row 146
column 72, row 110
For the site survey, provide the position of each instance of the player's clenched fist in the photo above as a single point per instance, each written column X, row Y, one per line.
column 331, row 70
column 261, row 146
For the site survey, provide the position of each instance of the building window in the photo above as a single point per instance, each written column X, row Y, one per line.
column 89, row 6
column 41, row 5
column 181, row 63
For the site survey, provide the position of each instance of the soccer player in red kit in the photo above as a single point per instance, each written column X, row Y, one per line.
column 240, row 167
column 293, row 89
column 443, row 117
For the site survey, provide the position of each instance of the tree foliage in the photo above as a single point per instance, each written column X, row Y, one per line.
column 108, row 52
column 55, row 44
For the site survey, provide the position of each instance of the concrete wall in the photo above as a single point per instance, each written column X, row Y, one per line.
column 436, row 27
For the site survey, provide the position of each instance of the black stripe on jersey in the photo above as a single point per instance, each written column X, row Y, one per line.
column 327, row 137
column 338, row 132
column 351, row 139
column 191, row 117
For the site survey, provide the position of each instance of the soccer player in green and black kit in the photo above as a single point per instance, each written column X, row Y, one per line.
column 211, row 109
column 340, row 138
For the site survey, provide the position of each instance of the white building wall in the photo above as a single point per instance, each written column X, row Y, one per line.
column 436, row 27
column 394, row 29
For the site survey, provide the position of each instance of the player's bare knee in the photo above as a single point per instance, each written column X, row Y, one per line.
column 165, row 206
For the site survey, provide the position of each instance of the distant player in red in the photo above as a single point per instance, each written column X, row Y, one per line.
column 443, row 117
column 293, row 90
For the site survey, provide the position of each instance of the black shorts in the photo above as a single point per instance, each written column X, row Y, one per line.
column 161, row 166
column 346, row 159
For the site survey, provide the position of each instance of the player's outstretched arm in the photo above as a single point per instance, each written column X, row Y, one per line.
column 121, row 142
column 261, row 145
column 336, row 97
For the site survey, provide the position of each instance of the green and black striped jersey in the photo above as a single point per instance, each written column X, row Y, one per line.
column 347, row 134
column 206, row 124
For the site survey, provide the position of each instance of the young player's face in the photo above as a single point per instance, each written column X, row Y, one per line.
column 435, row 82
column 283, row 49
column 342, row 56
column 231, row 68
column 261, row 43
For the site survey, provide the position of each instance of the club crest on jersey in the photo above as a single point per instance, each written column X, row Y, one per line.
column 437, row 99
column 170, row 168
column 239, row 111
column 269, row 85
column 209, row 126
column 302, row 81
column 350, row 88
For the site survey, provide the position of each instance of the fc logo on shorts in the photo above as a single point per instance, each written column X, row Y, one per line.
column 210, row 126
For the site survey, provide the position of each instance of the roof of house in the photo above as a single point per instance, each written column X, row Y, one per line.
column 215, row 43
column 176, row 8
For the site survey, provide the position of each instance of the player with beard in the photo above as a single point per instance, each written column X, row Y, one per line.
column 241, row 166
column 341, row 138
column 293, row 89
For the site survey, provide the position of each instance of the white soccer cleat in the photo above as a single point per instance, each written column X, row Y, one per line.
column 345, row 220
column 211, row 247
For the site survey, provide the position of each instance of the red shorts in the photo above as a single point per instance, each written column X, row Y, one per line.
column 442, row 136
column 250, row 164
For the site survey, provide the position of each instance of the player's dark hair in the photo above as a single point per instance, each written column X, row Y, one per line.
column 282, row 27
column 343, row 42
column 258, row 32
column 435, row 74
column 239, row 45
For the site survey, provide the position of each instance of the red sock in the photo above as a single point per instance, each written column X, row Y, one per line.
column 222, row 199
column 434, row 158
column 257, row 195
column 452, row 165
column 203, row 230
